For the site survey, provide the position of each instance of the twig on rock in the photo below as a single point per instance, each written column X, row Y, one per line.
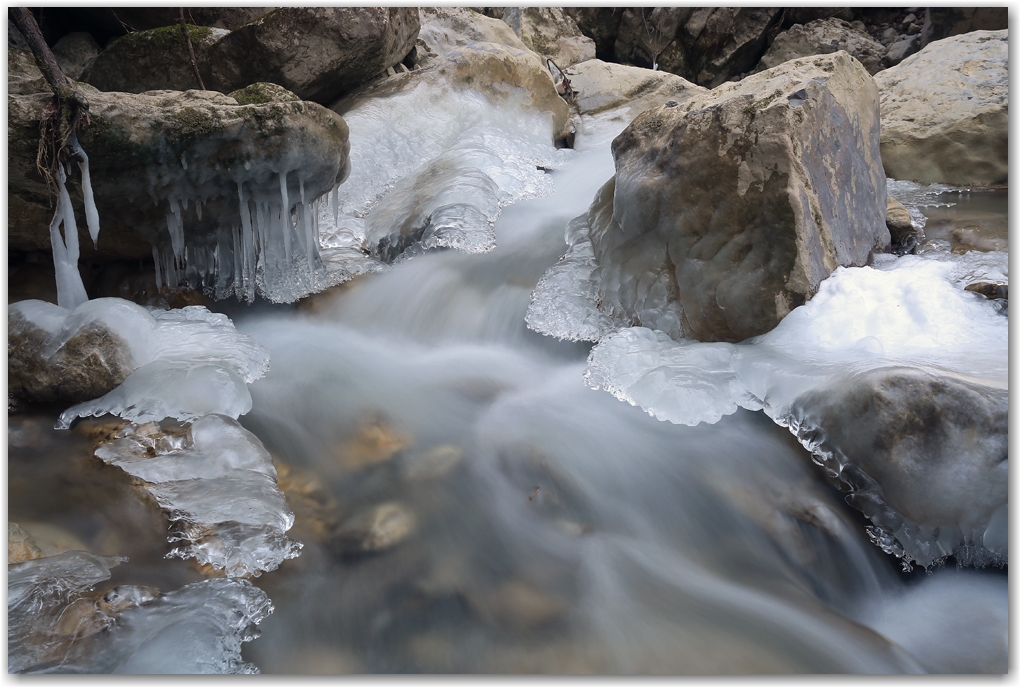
column 191, row 49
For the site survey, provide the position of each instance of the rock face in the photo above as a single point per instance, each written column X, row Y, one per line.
column 706, row 45
column 318, row 53
column 821, row 37
column 924, row 456
column 730, row 206
column 88, row 365
column 551, row 32
column 164, row 155
column 118, row 20
column 945, row 112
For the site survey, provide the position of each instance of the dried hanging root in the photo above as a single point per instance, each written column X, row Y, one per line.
column 65, row 116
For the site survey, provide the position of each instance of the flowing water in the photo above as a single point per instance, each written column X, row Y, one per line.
column 467, row 504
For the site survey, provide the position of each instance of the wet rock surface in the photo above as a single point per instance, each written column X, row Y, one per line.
column 601, row 86
column 680, row 221
column 945, row 112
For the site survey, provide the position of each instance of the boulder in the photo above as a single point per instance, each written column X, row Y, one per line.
column 88, row 365
column 601, row 86
column 729, row 207
column 319, row 53
column 644, row 33
column 945, row 112
column 903, row 235
column 446, row 28
column 165, row 153
column 821, row 37
column 155, row 59
column 804, row 15
column 924, row 457
column 75, row 52
column 23, row 76
column 551, row 32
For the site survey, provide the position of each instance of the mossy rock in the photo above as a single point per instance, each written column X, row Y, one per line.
column 261, row 93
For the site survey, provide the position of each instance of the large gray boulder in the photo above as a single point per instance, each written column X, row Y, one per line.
column 945, row 112
column 319, row 53
column 156, row 154
column 730, row 206
column 924, row 456
column 821, row 37
column 75, row 52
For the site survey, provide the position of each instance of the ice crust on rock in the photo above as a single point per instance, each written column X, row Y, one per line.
column 433, row 165
column 38, row 591
column 218, row 485
column 910, row 312
column 186, row 363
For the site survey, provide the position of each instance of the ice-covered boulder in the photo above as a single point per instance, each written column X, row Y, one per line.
column 821, row 37
column 551, row 33
column 924, row 456
column 140, row 364
column 728, row 210
column 441, row 181
column 171, row 172
column 945, row 112
column 89, row 363
column 319, row 53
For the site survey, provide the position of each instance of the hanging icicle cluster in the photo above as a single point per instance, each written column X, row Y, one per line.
column 272, row 249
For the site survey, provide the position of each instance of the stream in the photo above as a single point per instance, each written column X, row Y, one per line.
column 466, row 503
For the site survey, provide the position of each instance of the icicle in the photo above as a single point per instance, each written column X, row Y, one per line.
column 171, row 272
column 336, row 206
column 198, row 209
column 184, row 202
column 249, row 241
column 176, row 227
column 238, row 259
column 285, row 215
column 159, row 277
column 91, row 213
column 70, row 290
column 306, row 228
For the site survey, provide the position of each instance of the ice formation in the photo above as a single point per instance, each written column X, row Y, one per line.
column 38, row 592
column 187, row 362
column 910, row 312
column 218, row 485
column 432, row 166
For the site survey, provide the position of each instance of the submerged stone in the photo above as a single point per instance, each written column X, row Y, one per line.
column 728, row 210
